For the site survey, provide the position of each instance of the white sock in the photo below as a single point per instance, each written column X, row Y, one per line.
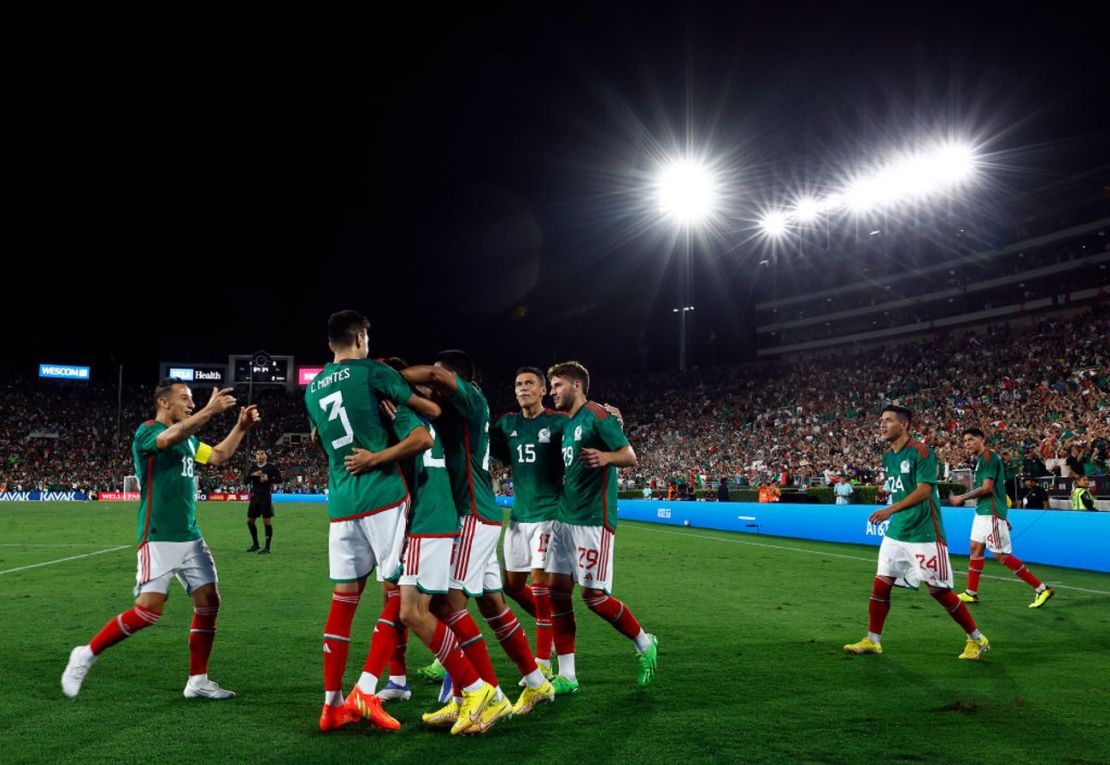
column 499, row 695
column 642, row 642
column 972, row 592
column 368, row 683
column 545, row 663
column 1042, row 588
column 195, row 680
column 333, row 698
column 974, row 635
column 401, row 680
column 874, row 637
column 566, row 665
column 534, row 679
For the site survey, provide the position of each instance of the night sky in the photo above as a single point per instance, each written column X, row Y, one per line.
column 185, row 184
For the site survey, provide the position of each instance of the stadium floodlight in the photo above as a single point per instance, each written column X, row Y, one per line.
column 774, row 224
column 688, row 191
column 806, row 210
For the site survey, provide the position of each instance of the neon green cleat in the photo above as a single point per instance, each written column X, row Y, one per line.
column 864, row 646
column 967, row 597
column 563, row 686
column 533, row 697
column 433, row 673
column 649, row 660
column 975, row 648
column 1042, row 597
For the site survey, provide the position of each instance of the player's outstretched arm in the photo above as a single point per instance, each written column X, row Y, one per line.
column 363, row 461
column 220, row 402
column 983, row 491
column 437, row 378
column 225, row 450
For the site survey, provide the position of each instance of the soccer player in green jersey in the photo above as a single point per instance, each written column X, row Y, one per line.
column 530, row 442
column 584, row 535
column 464, row 428
column 367, row 509
column 990, row 529
column 165, row 452
column 913, row 549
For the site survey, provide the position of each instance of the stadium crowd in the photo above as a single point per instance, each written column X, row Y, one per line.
column 1042, row 395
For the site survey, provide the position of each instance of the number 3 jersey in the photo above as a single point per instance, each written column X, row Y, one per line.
column 533, row 448
column 167, row 485
column 915, row 463
column 343, row 408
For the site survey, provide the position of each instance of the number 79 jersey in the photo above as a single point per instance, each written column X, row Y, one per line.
column 343, row 407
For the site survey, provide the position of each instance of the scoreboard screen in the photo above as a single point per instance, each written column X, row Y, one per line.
column 261, row 368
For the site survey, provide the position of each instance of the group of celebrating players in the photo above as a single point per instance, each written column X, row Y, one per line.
column 410, row 496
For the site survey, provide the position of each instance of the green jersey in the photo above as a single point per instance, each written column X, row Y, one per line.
column 167, row 485
column 343, row 408
column 464, row 428
column 532, row 447
column 433, row 505
column 914, row 464
column 989, row 465
column 590, row 494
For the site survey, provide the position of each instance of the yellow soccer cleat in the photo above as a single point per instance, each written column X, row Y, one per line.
column 864, row 646
column 976, row 648
column 494, row 711
column 533, row 697
column 967, row 597
column 444, row 716
column 1042, row 597
column 472, row 708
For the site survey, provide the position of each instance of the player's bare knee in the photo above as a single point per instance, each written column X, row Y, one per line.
column 491, row 604
column 151, row 601
column 207, row 597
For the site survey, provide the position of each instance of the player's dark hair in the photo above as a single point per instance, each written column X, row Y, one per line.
column 165, row 387
column 973, row 432
column 345, row 326
column 572, row 370
column 396, row 362
column 459, row 362
column 532, row 371
column 902, row 412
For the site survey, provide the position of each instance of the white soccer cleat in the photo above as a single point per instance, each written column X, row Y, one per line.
column 207, row 689
column 80, row 659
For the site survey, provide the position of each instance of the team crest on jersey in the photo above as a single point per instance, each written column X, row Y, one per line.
column 578, row 433
column 905, row 466
column 545, row 436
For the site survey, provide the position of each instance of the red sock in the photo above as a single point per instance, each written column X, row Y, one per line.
column 616, row 613
column 446, row 648
column 201, row 637
column 974, row 571
column 562, row 621
column 397, row 666
column 506, row 628
column 473, row 645
column 383, row 643
column 337, row 638
column 527, row 599
column 543, row 622
column 1019, row 569
column 879, row 606
column 956, row 608
column 122, row 627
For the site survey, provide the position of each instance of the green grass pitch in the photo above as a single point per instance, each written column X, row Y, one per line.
column 751, row 667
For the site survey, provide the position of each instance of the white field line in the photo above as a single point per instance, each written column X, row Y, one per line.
column 63, row 560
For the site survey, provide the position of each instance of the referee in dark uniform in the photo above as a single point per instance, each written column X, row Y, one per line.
column 262, row 476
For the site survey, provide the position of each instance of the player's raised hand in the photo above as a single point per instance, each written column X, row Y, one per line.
column 249, row 416
column 361, row 461
column 389, row 409
column 221, row 400
column 594, row 458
